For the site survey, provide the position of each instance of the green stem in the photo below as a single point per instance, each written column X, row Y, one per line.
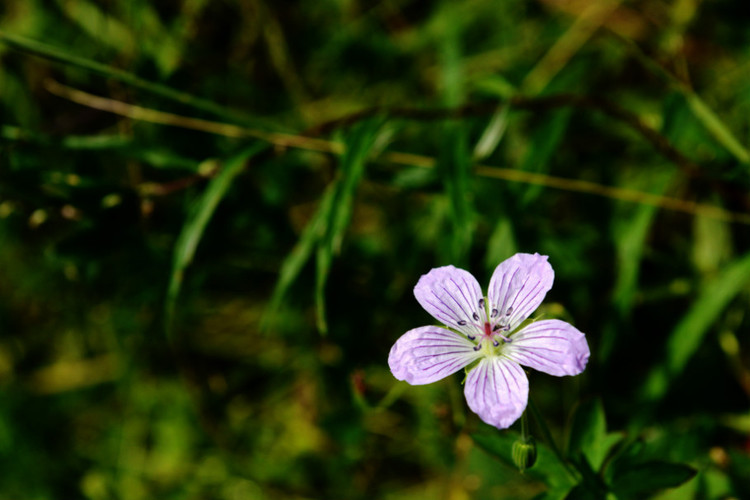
column 551, row 441
column 525, row 426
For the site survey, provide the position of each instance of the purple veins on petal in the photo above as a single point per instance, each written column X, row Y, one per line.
column 519, row 285
column 497, row 390
column 450, row 295
column 550, row 346
column 428, row 354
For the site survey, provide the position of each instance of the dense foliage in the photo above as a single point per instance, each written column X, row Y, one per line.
column 213, row 214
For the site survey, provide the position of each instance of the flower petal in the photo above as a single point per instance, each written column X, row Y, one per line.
column 453, row 296
column 497, row 390
column 518, row 286
column 551, row 346
column 428, row 354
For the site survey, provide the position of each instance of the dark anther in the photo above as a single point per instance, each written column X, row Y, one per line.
column 481, row 302
column 497, row 327
column 475, row 316
column 494, row 313
column 509, row 311
column 471, row 337
column 495, row 342
column 477, row 347
column 461, row 322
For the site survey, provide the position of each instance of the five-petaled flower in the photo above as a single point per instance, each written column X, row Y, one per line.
column 483, row 329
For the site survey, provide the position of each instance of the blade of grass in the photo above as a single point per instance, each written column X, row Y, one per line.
column 34, row 47
column 454, row 159
column 692, row 329
column 300, row 254
column 629, row 232
column 492, row 134
column 567, row 46
column 195, row 224
column 359, row 144
column 708, row 117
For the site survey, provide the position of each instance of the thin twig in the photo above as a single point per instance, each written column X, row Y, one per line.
column 325, row 146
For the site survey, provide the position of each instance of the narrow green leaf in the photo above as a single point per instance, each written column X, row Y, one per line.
column 715, row 126
column 502, row 244
column 195, row 224
column 650, row 476
column 492, row 134
column 51, row 53
column 301, row 252
column 630, row 229
column 689, row 333
column 359, row 143
column 545, row 142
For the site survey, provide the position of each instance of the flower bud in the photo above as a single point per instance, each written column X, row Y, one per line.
column 524, row 453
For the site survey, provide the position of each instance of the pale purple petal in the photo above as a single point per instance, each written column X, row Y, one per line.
column 497, row 390
column 518, row 287
column 429, row 353
column 551, row 346
column 453, row 297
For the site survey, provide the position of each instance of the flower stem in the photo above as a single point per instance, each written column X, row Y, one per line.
column 550, row 440
column 525, row 426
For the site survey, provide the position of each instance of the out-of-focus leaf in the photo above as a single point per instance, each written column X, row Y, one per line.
column 502, row 244
column 544, row 143
column 712, row 244
column 195, row 224
column 687, row 336
column 60, row 55
column 647, row 477
column 588, row 433
column 492, row 134
column 359, row 142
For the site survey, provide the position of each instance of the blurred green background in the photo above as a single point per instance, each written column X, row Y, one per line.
column 213, row 213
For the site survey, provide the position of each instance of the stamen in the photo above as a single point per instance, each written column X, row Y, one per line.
column 509, row 311
column 495, row 342
column 481, row 302
column 470, row 337
column 497, row 327
column 461, row 322
column 475, row 316
column 494, row 313
column 478, row 346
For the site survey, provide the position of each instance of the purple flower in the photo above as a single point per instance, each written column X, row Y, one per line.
column 483, row 329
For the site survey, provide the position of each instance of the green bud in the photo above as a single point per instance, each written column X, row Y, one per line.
column 524, row 453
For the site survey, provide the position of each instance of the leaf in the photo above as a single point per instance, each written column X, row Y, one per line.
column 588, row 433
column 324, row 233
column 358, row 146
column 545, row 142
column 492, row 134
column 650, row 476
column 195, row 224
column 502, row 244
column 687, row 336
column 49, row 52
